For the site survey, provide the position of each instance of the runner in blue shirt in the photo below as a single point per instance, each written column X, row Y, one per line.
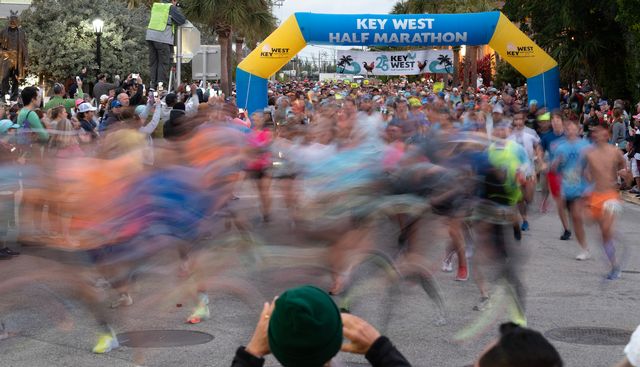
column 570, row 163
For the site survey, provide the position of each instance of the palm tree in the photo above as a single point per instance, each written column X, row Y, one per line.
column 132, row 4
column 239, row 38
column 249, row 17
column 456, row 65
column 474, row 6
column 418, row 7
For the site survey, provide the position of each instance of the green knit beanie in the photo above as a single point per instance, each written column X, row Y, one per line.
column 305, row 329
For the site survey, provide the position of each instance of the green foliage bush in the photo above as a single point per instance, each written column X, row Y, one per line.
column 61, row 38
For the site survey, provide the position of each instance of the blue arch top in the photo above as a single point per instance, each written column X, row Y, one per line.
column 398, row 30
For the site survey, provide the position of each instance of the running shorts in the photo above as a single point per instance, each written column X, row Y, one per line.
column 555, row 181
column 604, row 202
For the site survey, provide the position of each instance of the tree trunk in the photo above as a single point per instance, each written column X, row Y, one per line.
column 223, row 39
column 467, row 68
column 239, row 49
column 230, row 70
column 474, row 67
column 456, row 66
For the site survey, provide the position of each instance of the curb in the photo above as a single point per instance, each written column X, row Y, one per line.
column 629, row 198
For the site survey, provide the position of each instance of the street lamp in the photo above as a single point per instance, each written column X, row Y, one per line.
column 97, row 29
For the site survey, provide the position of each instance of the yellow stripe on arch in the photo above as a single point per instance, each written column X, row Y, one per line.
column 275, row 51
column 519, row 50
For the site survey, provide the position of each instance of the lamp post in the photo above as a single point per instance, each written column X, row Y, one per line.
column 97, row 29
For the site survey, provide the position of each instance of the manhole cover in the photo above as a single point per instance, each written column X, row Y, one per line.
column 590, row 335
column 163, row 338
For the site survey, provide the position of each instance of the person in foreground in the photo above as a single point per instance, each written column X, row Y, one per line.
column 519, row 347
column 632, row 351
column 304, row 328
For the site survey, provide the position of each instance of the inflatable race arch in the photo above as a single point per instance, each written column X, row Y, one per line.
column 474, row 29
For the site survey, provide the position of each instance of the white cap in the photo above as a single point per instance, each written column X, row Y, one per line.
column 86, row 107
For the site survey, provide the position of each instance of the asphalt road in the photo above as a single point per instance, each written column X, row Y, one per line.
column 46, row 325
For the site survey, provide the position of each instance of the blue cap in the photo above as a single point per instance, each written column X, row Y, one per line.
column 140, row 109
column 116, row 104
column 7, row 124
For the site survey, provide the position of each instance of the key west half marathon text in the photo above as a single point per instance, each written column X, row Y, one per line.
column 397, row 37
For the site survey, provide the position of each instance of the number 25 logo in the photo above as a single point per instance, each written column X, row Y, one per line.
column 383, row 63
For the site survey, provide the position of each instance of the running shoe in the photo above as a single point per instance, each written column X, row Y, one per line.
column 483, row 304
column 614, row 274
column 4, row 256
column 200, row 314
column 525, row 226
column 101, row 283
column 583, row 255
column 463, row 274
column 9, row 251
column 447, row 264
column 565, row 236
column 106, row 343
column 634, row 190
column 4, row 334
column 203, row 297
column 124, row 300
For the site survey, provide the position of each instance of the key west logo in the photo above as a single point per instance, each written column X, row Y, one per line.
column 519, row 51
column 273, row 52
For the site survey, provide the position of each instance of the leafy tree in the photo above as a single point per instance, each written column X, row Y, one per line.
column 629, row 18
column 61, row 38
column 585, row 37
column 132, row 4
column 505, row 73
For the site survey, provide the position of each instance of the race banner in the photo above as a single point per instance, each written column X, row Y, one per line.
column 413, row 62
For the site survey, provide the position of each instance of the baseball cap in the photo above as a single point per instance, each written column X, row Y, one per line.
column 545, row 117
column 86, row 107
column 139, row 110
column 7, row 124
column 116, row 104
column 414, row 102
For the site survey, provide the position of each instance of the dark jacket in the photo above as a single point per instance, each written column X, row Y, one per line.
column 381, row 354
column 136, row 99
column 174, row 128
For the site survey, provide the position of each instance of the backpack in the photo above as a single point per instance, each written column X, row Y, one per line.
column 24, row 136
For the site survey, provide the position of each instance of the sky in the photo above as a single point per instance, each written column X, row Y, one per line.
column 332, row 7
